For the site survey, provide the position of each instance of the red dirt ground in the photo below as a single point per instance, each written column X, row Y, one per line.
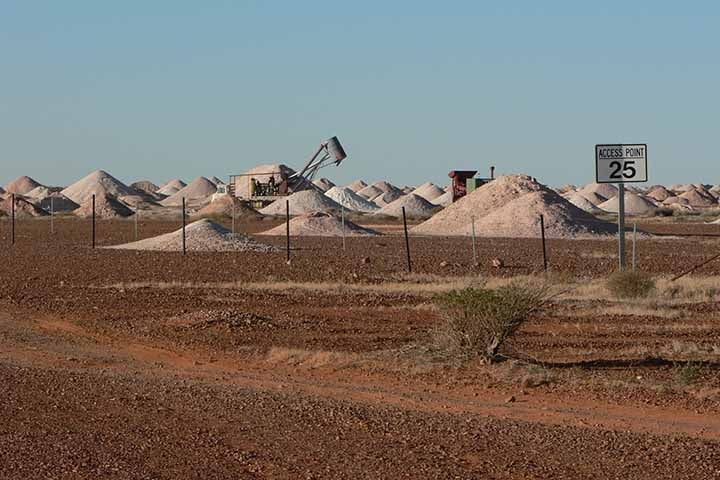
column 148, row 365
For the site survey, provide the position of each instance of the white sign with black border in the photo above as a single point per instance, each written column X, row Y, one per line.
column 619, row 163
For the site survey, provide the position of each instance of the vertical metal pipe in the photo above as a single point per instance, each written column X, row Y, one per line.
column 137, row 214
column 621, row 226
column 407, row 242
column 52, row 215
column 13, row 218
column 93, row 221
column 342, row 219
column 544, row 249
column 287, row 229
column 474, row 242
column 634, row 240
column 184, row 245
column 233, row 217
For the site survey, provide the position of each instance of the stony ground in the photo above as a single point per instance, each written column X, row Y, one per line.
column 151, row 365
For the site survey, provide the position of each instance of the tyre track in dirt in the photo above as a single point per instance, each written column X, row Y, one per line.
column 345, row 385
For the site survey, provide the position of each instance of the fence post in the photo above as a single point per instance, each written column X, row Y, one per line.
column 342, row 219
column 13, row 218
column 474, row 242
column 93, row 221
column 544, row 249
column 52, row 215
column 233, row 216
column 137, row 214
column 407, row 242
column 634, row 239
column 184, row 245
column 287, row 229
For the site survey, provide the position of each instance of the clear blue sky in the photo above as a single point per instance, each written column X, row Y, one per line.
column 159, row 89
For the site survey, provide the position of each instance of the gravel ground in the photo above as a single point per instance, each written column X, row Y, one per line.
column 167, row 378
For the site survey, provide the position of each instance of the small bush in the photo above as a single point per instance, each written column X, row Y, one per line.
column 664, row 212
column 630, row 284
column 479, row 320
column 687, row 373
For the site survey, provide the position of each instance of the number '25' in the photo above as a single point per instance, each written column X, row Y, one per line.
column 626, row 167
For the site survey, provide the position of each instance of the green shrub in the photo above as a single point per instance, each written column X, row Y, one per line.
column 630, row 284
column 479, row 320
column 687, row 373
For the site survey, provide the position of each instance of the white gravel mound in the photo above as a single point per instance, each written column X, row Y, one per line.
column 228, row 205
column 106, row 206
column 387, row 198
column 415, row 207
column 699, row 198
column 305, row 201
column 370, row 192
column 23, row 208
column 443, row 200
column 593, row 197
column 38, row 193
column 357, row 185
column 605, row 190
column 634, row 204
column 199, row 189
column 48, row 200
column 681, row 187
column 21, row 185
column 351, row 200
column 660, row 193
column 145, row 186
column 386, row 187
column 429, row 191
column 520, row 218
column 568, row 188
column 323, row 184
column 320, row 224
column 172, row 187
column 676, row 200
column 201, row 236
column 581, row 202
column 98, row 183
column 513, row 205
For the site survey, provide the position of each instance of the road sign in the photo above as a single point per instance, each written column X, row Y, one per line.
column 621, row 163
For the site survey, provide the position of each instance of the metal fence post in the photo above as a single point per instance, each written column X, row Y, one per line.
column 287, row 229
column 184, row 245
column 407, row 241
column 474, row 242
column 233, row 217
column 342, row 219
column 544, row 249
column 93, row 221
column 634, row 240
column 137, row 214
column 52, row 215
column 13, row 218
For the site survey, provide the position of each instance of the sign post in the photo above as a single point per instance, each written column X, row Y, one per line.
column 621, row 164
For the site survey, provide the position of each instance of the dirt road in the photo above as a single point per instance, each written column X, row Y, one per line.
column 80, row 405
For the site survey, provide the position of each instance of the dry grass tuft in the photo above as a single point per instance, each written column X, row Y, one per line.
column 630, row 284
column 310, row 358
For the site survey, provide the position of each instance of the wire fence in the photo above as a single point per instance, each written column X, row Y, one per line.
column 173, row 220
